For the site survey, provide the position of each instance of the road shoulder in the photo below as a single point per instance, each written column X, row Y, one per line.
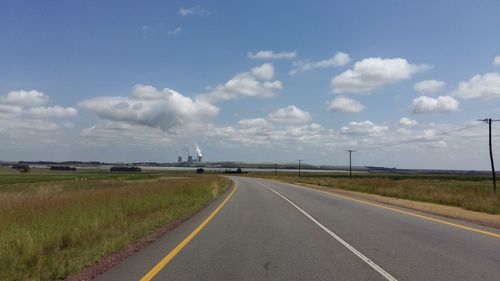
column 484, row 219
column 104, row 267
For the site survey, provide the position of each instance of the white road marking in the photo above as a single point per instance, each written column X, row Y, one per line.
column 347, row 245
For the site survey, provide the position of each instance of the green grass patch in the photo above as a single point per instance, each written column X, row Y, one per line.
column 51, row 229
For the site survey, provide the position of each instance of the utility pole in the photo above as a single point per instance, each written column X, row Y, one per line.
column 299, row 166
column 489, row 120
column 350, row 161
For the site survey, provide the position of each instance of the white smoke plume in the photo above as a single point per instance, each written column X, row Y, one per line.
column 198, row 151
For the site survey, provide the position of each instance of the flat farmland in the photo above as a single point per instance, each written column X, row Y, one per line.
column 54, row 224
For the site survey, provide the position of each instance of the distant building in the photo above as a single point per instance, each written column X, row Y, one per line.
column 179, row 159
column 190, row 158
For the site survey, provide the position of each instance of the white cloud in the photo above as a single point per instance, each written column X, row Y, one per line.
column 5, row 108
column 165, row 109
column 345, row 104
column 26, row 125
column 365, row 127
column 290, row 114
column 484, row 87
column 271, row 55
column 254, row 122
column 256, row 83
column 371, row 73
column 496, row 61
column 273, row 135
column 265, row 71
column 196, row 10
column 339, row 59
column 175, row 31
column 429, row 86
column 53, row 112
column 405, row 121
column 442, row 104
column 25, row 98
column 27, row 105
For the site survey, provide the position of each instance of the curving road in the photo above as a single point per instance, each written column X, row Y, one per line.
column 275, row 231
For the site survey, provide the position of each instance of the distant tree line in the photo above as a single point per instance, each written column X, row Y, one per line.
column 237, row 171
column 125, row 169
column 62, row 168
column 21, row 167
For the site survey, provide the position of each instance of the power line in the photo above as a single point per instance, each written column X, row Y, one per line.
column 378, row 147
column 422, row 138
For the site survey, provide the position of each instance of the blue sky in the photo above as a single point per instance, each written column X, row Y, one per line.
column 85, row 80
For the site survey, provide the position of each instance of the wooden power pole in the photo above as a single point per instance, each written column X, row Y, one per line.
column 489, row 121
column 350, row 161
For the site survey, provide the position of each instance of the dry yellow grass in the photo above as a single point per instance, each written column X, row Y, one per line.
column 469, row 193
column 51, row 230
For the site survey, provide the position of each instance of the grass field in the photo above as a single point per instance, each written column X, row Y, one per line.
column 52, row 225
column 468, row 192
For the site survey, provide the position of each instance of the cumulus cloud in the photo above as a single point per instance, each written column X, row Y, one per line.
column 405, row 121
column 255, row 83
column 339, row 59
column 496, row 61
column 271, row 55
column 52, row 112
column 273, row 134
column 196, row 10
column 345, row 104
column 25, row 98
column 23, row 118
column 5, row 108
column 254, row 122
column 442, row 104
column 147, row 106
column 366, row 128
column 371, row 73
column 28, row 104
column 290, row 114
column 429, row 86
column 265, row 71
column 484, row 87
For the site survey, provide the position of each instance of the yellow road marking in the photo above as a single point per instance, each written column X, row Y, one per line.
column 152, row 273
column 496, row 235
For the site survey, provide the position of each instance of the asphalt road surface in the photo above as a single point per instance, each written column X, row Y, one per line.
column 275, row 231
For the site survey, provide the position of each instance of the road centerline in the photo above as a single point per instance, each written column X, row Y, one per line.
column 372, row 264
column 160, row 265
column 393, row 209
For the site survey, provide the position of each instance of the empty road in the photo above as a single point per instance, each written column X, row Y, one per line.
column 266, row 230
